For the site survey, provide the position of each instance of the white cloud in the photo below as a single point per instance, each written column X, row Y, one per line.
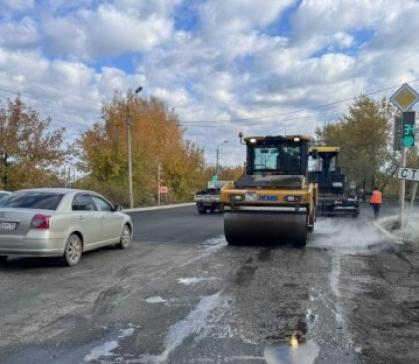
column 222, row 17
column 105, row 31
column 68, row 91
column 17, row 5
column 21, row 34
column 229, row 66
column 320, row 17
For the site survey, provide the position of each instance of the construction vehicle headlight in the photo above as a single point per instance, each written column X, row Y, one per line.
column 337, row 184
column 253, row 140
column 292, row 198
column 237, row 197
column 296, row 139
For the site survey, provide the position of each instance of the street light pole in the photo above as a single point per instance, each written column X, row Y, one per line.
column 158, row 184
column 218, row 155
column 128, row 122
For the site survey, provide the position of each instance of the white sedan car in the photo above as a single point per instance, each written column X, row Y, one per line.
column 4, row 193
column 49, row 222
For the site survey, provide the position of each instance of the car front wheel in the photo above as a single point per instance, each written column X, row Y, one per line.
column 73, row 250
column 125, row 238
column 3, row 258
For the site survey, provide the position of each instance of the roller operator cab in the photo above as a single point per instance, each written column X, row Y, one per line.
column 334, row 195
column 273, row 201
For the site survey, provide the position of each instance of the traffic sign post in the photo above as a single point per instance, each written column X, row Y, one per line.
column 409, row 174
column 404, row 99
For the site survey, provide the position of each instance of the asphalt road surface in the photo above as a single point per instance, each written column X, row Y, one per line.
column 181, row 295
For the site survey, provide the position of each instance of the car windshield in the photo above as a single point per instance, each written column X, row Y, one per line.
column 32, row 200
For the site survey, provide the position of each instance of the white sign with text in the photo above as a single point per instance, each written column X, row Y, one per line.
column 409, row 174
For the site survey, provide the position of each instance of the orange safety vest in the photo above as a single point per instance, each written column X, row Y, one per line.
column 376, row 197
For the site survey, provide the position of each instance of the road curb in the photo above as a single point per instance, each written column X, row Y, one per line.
column 152, row 208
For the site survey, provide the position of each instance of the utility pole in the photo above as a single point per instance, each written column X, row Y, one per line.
column 67, row 174
column 218, row 155
column 216, row 166
column 128, row 122
column 158, row 183
column 402, row 189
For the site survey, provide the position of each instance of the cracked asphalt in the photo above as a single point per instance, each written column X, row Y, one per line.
column 181, row 295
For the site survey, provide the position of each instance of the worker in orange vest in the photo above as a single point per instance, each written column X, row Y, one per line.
column 376, row 200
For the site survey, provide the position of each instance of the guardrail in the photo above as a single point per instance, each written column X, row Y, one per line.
column 161, row 207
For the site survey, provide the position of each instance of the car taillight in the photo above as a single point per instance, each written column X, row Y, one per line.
column 40, row 221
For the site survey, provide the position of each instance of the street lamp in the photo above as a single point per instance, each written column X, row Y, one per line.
column 218, row 154
column 128, row 122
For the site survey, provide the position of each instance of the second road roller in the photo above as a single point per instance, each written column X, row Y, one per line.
column 273, row 200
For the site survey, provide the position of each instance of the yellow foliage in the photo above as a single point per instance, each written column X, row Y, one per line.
column 157, row 139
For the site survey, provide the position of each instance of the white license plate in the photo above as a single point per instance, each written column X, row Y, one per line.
column 251, row 196
column 7, row 226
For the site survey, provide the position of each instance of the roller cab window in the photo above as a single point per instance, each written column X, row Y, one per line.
column 283, row 159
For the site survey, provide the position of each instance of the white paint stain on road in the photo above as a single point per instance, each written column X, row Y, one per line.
column 192, row 324
column 192, row 280
column 155, row 299
column 105, row 350
column 210, row 246
column 334, row 286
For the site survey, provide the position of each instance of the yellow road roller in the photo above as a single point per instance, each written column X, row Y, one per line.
column 273, row 200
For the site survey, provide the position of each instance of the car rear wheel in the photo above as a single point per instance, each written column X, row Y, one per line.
column 73, row 250
column 125, row 238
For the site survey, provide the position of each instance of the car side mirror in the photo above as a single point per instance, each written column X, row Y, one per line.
column 117, row 208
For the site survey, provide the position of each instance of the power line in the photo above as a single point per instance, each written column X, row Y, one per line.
column 185, row 123
column 228, row 122
column 221, row 125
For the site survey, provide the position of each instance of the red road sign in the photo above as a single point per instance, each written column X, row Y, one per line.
column 164, row 189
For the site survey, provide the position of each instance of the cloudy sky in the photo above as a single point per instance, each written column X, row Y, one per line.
column 261, row 67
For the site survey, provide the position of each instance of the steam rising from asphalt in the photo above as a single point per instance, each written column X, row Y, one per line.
column 411, row 231
column 348, row 236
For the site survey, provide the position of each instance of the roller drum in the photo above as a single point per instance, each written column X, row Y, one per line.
column 265, row 228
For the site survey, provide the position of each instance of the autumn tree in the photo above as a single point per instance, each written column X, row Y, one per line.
column 30, row 151
column 364, row 137
column 157, row 139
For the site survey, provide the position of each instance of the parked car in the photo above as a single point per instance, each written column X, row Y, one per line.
column 60, row 222
column 4, row 193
